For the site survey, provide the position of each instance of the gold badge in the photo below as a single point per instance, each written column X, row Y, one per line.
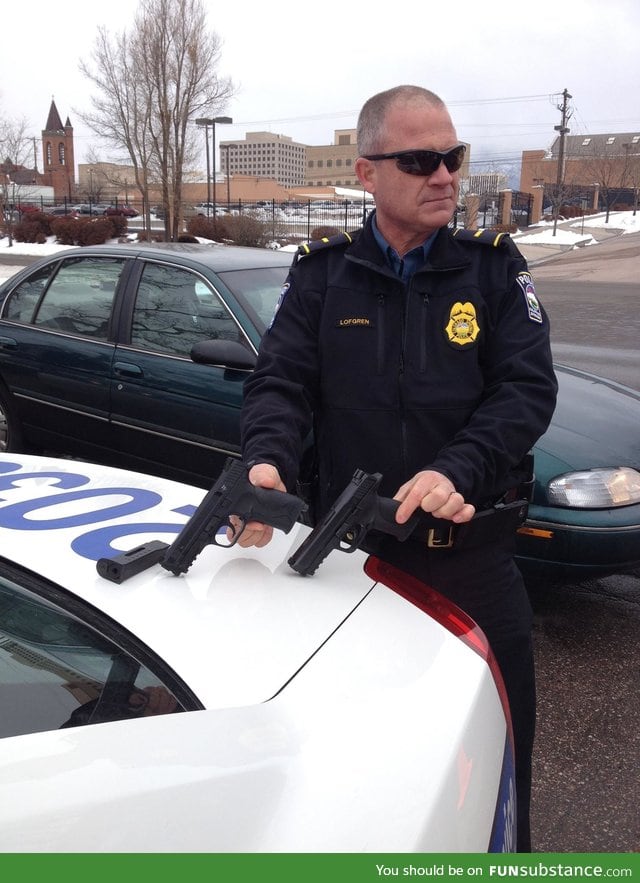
column 463, row 325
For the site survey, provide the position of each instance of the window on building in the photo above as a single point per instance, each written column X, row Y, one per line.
column 611, row 139
column 49, row 153
column 61, row 154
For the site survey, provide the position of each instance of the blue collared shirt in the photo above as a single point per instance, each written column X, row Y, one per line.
column 405, row 266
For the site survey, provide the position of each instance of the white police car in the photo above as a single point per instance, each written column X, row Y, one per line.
column 239, row 707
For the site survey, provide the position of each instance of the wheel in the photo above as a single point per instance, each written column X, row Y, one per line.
column 10, row 429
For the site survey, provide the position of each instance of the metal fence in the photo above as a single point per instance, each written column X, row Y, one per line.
column 283, row 221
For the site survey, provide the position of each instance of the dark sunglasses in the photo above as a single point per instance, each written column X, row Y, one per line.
column 424, row 162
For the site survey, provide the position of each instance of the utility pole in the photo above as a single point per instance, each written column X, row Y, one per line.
column 563, row 129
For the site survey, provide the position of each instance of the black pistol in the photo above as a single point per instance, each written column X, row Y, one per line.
column 232, row 494
column 357, row 510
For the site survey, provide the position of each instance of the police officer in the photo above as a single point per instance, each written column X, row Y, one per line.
column 422, row 355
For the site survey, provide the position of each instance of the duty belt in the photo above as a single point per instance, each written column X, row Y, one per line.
column 486, row 526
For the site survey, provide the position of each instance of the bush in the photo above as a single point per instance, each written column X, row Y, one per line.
column 207, row 228
column 34, row 227
column 95, row 232
column 66, row 230
column 240, row 229
column 119, row 225
column 247, row 230
column 87, row 231
column 322, row 232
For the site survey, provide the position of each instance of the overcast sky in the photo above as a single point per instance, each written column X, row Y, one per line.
column 304, row 69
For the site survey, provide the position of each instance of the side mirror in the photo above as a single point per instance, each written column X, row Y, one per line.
column 223, row 354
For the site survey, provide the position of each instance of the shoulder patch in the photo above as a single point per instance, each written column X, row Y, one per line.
column 320, row 244
column 532, row 304
column 485, row 237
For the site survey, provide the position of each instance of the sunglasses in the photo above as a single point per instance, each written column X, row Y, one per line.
column 424, row 162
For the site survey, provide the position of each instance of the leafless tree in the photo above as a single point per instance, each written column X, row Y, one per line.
column 631, row 172
column 151, row 83
column 608, row 167
column 14, row 154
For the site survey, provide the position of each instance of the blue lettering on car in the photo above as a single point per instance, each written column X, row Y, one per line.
column 93, row 544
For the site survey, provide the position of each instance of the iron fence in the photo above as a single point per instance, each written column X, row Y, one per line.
column 287, row 221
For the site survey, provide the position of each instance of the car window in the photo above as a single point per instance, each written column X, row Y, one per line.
column 21, row 304
column 258, row 290
column 176, row 309
column 57, row 672
column 80, row 297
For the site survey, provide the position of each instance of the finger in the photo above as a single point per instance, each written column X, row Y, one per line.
column 421, row 496
column 466, row 513
column 455, row 510
column 255, row 534
column 267, row 476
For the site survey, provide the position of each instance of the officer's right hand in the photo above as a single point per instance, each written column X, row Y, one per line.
column 255, row 533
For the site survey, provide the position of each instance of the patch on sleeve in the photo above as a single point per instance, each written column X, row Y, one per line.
column 283, row 294
column 534, row 310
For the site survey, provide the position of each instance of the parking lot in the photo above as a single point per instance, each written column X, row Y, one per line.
column 586, row 635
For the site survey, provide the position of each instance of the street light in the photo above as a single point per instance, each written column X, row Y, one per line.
column 206, row 122
column 229, row 147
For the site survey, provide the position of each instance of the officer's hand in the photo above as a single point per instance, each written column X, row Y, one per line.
column 255, row 533
column 433, row 493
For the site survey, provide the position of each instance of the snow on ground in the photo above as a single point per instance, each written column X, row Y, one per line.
column 579, row 229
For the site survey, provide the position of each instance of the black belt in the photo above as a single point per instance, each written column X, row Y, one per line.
column 486, row 526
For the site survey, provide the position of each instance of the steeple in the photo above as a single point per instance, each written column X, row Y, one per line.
column 54, row 123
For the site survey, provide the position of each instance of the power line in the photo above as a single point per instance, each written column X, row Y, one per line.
column 354, row 113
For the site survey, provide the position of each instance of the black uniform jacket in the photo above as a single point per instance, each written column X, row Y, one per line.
column 452, row 372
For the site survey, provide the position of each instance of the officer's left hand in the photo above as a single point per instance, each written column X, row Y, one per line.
column 433, row 493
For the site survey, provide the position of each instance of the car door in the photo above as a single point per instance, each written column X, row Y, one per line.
column 56, row 351
column 171, row 415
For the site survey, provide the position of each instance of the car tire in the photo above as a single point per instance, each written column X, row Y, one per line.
column 10, row 428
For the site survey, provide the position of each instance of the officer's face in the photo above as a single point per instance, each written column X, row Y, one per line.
column 411, row 207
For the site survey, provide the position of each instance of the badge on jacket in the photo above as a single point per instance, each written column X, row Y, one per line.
column 462, row 328
column 534, row 309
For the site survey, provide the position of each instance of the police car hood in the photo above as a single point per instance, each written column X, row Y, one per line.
column 236, row 627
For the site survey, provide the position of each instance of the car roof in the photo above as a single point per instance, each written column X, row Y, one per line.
column 217, row 257
column 235, row 627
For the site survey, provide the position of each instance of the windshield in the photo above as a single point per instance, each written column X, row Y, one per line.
column 258, row 289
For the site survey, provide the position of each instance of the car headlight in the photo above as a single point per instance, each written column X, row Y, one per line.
column 596, row 488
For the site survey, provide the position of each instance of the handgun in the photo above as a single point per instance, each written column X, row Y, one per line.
column 357, row 510
column 232, row 494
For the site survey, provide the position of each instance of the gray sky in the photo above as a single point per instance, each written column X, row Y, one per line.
column 501, row 66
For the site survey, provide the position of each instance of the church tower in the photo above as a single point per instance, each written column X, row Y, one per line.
column 57, row 155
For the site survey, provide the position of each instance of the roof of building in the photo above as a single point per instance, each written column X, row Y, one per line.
column 608, row 143
column 54, row 123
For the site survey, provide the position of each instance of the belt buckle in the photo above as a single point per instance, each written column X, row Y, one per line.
column 440, row 538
